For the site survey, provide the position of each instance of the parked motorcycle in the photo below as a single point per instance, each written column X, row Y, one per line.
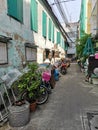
column 63, row 68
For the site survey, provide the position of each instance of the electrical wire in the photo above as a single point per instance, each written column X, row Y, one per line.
column 62, row 30
column 62, row 2
column 66, row 9
column 61, row 10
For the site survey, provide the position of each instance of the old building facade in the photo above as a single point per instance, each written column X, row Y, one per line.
column 29, row 31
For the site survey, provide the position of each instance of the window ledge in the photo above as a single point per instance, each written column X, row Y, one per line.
column 5, row 39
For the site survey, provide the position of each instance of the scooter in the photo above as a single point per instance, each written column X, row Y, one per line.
column 63, row 68
column 46, row 75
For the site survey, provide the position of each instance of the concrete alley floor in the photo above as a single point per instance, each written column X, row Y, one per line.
column 67, row 107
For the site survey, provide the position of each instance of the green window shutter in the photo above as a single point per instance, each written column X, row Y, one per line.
column 58, row 37
column 20, row 10
column 49, row 30
column 52, row 33
column 44, row 24
column 66, row 46
column 12, row 7
column 63, row 44
column 15, row 9
column 34, row 15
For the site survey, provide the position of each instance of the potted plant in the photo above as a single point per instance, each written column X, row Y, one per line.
column 28, row 84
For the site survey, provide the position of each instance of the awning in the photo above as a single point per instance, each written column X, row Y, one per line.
column 88, row 49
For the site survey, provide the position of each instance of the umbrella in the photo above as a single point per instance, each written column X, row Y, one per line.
column 88, row 49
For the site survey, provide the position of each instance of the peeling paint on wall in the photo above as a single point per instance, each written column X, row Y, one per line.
column 18, row 37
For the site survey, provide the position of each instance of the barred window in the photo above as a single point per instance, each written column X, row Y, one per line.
column 31, row 54
column 3, row 53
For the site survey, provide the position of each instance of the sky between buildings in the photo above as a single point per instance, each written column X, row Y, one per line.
column 71, row 9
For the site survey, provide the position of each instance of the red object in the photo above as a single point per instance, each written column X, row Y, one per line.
column 63, row 65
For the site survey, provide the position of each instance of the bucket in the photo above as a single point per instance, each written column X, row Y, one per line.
column 19, row 115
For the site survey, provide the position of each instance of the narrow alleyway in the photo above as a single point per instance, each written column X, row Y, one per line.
column 66, row 105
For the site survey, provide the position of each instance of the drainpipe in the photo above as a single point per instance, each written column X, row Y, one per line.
column 97, row 18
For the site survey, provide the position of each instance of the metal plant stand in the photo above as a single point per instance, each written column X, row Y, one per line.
column 4, row 103
column 7, row 98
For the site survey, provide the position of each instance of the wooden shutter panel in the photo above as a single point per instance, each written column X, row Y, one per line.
column 15, row 9
column 52, row 33
column 44, row 24
column 63, row 44
column 34, row 15
column 58, row 37
column 20, row 10
column 49, row 33
column 12, row 8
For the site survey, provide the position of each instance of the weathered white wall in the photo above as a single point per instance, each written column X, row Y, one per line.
column 93, row 18
column 39, row 39
column 22, row 33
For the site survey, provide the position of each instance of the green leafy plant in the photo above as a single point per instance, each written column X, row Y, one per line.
column 29, row 81
column 81, row 44
column 80, row 47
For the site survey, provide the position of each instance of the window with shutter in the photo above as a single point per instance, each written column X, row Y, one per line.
column 49, row 30
column 34, row 15
column 52, row 37
column 63, row 44
column 15, row 9
column 58, row 37
column 44, row 24
column 3, row 53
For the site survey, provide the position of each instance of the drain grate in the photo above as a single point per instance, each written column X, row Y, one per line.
column 92, row 120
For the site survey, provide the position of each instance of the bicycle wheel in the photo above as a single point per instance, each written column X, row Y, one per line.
column 63, row 71
column 24, row 95
column 48, row 86
column 43, row 96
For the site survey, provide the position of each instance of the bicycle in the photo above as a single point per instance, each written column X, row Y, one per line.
column 41, row 93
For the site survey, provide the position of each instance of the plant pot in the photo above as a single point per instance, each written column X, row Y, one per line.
column 33, row 106
column 19, row 115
